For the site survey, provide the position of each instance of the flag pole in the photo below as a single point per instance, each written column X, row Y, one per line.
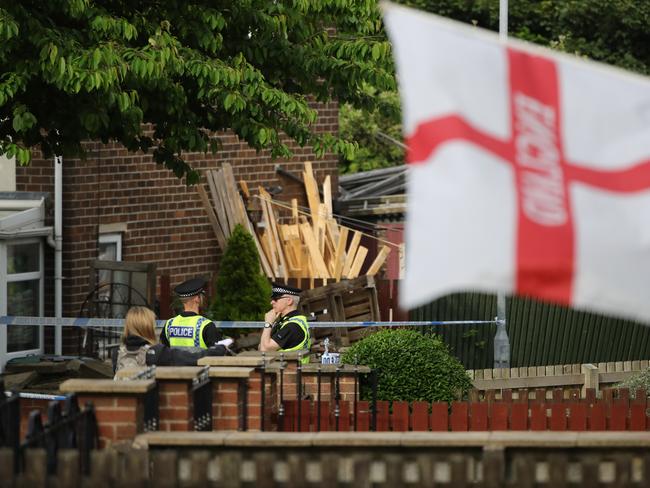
column 503, row 19
column 501, row 340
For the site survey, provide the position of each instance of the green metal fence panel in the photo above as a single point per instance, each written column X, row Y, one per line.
column 540, row 334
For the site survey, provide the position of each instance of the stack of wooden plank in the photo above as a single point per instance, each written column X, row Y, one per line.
column 312, row 244
column 228, row 209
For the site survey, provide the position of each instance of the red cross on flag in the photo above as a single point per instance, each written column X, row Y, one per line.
column 530, row 170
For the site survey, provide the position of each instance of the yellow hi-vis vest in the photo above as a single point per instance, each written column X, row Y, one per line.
column 301, row 320
column 186, row 331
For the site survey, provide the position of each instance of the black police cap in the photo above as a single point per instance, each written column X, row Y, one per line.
column 279, row 290
column 190, row 288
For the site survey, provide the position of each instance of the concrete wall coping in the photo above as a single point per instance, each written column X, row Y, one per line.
column 232, row 361
column 288, row 356
column 331, row 368
column 230, row 372
column 499, row 440
column 106, row 386
column 164, row 372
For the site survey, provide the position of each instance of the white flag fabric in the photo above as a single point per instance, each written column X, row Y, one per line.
column 530, row 170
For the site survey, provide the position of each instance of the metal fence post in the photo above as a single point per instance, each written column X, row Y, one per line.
column 281, row 406
column 202, row 400
column 373, row 385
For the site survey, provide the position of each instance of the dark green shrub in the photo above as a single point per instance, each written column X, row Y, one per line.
column 241, row 291
column 411, row 366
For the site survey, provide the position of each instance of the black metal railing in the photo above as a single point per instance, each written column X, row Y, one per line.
column 368, row 378
column 202, row 400
column 66, row 427
column 151, row 399
column 10, row 422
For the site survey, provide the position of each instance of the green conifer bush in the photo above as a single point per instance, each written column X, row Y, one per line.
column 241, row 290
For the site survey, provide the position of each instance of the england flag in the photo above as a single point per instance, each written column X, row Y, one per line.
column 530, row 170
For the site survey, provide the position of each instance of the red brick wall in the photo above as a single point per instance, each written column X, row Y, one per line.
column 166, row 222
column 176, row 406
column 119, row 417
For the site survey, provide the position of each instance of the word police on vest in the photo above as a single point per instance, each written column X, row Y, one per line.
column 181, row 331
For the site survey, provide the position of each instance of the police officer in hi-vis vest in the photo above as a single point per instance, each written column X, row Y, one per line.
column 190, row 328
column 285, row 329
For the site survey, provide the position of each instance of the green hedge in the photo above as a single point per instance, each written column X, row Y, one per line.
column 411, row 366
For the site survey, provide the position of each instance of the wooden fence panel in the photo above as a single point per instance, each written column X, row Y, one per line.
column 420, row 417
column 637, row 416
column 519, row 416
column 305, row 416
column 363, row 416
column 458, row 420
column 325, row 415
column 382, row 416
column 538, row 419
column 400, row 417
column 499, row 416
column 598, row 416
column 617, row 414
column 439, row 417
column 578, row 417
column 558, row 421
column 344, row 417
column 478, row 416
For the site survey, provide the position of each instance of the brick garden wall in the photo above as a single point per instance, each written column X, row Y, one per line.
column 166, row 223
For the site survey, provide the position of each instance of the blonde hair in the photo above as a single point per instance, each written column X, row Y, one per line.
column 140, row 321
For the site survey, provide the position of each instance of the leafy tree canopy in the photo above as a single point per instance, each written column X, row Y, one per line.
column 75, row 70
column 377, row 131
column 611, row 31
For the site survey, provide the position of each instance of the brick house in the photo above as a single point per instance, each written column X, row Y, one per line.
column 124, row 206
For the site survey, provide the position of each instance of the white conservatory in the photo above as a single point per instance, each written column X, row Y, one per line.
column 23, row 237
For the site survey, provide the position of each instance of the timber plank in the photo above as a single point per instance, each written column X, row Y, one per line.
column 379, row 260
column 357, row 264
column 319, row 268
column 216, row 227
column 275, row 235
column 351, row 253
column 218, row 201
column 339, row 255
column 311, row 189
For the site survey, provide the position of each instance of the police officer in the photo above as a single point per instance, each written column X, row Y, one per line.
column 190, row 328
column 285, row 329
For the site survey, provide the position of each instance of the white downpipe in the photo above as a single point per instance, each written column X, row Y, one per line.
column 58, row 252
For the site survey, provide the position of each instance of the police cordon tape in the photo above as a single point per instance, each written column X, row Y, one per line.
column 86, row 322
column 36, row 396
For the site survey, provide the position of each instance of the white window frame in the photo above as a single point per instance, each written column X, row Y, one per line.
column 11, row 278
column 113, row 238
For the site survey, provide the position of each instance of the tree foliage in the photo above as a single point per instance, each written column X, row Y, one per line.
column 377, row 132
column 611, row 31
column 75, row 70
column 241, row 290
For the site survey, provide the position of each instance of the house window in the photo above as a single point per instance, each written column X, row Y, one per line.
column 110, row 247
column 24, row 292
